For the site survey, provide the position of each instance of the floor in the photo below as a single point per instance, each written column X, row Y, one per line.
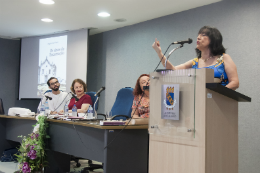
column 10, row 167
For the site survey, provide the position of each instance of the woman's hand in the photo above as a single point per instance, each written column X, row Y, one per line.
column 156, row 46
column 61, row 112
column 134, row 113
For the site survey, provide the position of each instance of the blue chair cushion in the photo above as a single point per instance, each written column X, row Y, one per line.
column 48, row 91
column 123, row 103
column 93, row 98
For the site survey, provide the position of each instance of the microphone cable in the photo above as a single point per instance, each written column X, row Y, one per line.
column 81, row 139
column 62, row 102
column 129, row 119
column 162, row 57
column 138, row 102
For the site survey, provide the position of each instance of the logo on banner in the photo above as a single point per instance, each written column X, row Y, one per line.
column 170, row 102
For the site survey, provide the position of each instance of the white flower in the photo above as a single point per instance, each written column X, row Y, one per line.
column 37, row 117
column 36, row 128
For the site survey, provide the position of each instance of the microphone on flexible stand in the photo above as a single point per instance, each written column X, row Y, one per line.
column 99, row 91
column 98, row 95
column 189, row 41
column 145, row 87
column 75, row 97
column 47, row 97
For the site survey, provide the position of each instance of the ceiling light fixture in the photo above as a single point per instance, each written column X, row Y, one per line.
column 103, row 14
column 47, row 20
column 47, row 1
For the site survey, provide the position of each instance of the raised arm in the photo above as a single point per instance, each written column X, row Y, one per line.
column 231, row 71
column 158, row 50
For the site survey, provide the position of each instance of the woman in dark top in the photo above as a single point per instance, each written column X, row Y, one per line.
column 79, row 88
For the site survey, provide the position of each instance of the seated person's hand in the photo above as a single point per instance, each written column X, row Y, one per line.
column 61, row 112
column 53, row 112
column 145, row 115
column 127, row 122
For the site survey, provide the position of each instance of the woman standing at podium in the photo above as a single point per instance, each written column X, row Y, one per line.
column 210, row 54
column 141, row 103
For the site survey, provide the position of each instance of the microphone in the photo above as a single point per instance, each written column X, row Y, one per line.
column 146, row 88
column 100, row 90
column 47, row 97
column 182, row 42
column 76, row 98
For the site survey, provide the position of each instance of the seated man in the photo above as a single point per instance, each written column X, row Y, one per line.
column 59, row 98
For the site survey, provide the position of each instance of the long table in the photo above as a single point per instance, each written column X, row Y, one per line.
column 128, row 152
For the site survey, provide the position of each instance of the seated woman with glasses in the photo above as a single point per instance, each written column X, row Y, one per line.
column 79, row 87
column 141, row 103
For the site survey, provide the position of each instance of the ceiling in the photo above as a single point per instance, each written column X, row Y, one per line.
column 22, row 18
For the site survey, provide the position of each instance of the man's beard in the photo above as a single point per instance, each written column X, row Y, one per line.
column 56, row 89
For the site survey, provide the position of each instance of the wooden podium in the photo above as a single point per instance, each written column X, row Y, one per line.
column 205, row 138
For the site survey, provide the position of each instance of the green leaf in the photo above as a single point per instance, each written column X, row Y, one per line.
column 47, row 136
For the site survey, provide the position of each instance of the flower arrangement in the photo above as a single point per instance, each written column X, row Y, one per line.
column 32, row 156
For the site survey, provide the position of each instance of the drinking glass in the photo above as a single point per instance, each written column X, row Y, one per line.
column 109, row 115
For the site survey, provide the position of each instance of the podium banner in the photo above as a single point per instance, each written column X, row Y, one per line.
column 170, row 102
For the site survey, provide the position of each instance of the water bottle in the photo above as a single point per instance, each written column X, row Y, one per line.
column 66, row 110
column 74, row 111
column 90, row 112
column 46, row 105
column 42, row 109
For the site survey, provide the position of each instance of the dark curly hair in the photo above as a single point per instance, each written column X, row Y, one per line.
column 215, row 46
column 48, row 82
column 79, row 81
column 138, row 91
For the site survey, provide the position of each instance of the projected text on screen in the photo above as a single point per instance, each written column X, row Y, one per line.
column 52, row 62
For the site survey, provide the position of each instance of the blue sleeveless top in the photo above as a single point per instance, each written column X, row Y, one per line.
column 219, row 69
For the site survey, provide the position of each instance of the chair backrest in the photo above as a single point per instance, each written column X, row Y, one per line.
column 2, row 112
column 123, row 103
column 47, row 91
column 93, row 98
column 91, row 94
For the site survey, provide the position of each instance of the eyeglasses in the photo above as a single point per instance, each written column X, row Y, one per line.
column 78, row 87
column 54, row 83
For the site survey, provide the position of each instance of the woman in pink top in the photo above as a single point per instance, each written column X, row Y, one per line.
column 141, row 99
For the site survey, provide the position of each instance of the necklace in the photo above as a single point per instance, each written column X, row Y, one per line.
column 207, row 59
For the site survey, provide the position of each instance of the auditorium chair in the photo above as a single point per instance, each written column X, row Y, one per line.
column 121, row 109
column 93, row 99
